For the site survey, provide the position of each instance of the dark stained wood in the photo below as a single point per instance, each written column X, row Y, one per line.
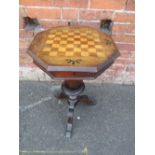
column 65, row 75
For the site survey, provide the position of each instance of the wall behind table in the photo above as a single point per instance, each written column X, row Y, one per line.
column 82, row 12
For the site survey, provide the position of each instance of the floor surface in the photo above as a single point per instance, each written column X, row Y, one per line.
column 104, row 129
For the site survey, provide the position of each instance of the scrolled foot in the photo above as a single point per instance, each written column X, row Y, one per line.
column 61, row 96
column 86, row 100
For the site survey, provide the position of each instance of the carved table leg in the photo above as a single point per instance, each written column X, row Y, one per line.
column 72, row 89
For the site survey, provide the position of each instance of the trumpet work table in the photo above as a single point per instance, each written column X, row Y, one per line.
column 73, row 54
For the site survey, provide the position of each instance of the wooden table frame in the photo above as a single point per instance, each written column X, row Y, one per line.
column 73, row 75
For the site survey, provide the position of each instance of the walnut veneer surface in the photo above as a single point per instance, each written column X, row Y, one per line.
column 72, row 49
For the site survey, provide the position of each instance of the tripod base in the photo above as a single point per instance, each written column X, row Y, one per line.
column 71, row 91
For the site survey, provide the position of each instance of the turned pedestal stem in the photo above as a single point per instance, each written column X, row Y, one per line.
column 72, row 88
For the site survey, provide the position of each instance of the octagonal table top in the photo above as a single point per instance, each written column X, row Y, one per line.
column 73, row 48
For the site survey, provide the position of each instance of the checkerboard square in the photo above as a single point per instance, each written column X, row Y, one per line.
column 84, row 54
column 46, row 49
column 83, row 39
column 61, row 54
column 70, row 45
column 69, row 54
column 62, row 49
column 77, row 42
column 63, row 42
column 92, row 50
column 53, row 54
column 97, row 39
column 55, row 45
column 77, row 36
column 70, row 39
column 100, row 54
column 51, row 36
column 49, row 41
column 78, row 54
column 98, row 46
column 57, row 38
column 91, row 43
column 84, row 46
column 77, row 49
column 93, row 54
